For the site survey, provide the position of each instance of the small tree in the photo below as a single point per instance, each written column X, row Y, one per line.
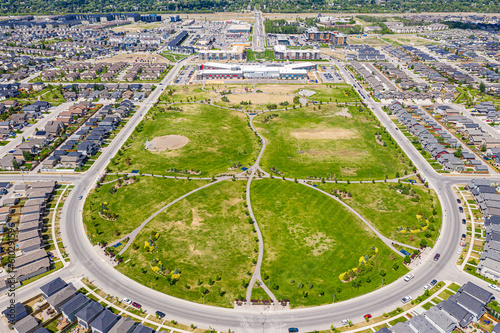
column 407, row 259
column 482, row 87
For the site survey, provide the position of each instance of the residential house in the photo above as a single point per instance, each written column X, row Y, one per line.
column 62, row 296
column 15, row 312
column 104, row 322
column 52, row 287
column 71, row 308
column 86, row 315
column 26, row 325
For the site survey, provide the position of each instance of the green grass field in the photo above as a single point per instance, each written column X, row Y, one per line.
column 388, row 210
column 337, row 93
column 218, row 140
column 310, row 240
column 186, row 93
column 205, row 236
column 133, row 203
column 322, row 141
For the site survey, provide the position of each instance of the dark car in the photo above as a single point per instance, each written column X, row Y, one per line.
column 464, row 221
column 433, row 282
column 458, row 201
column 160, row 314
column 461, row 209
column 293, row 329
column 136, row 305
column 464, row 236
column 436, row 257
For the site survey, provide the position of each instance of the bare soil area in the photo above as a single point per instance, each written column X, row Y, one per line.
column 330, row 134
column 259, row 98
column 167, row 142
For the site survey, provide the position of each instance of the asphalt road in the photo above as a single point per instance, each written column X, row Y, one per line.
column 87, row 261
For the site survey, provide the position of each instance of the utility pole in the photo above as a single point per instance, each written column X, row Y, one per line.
column 333, row 298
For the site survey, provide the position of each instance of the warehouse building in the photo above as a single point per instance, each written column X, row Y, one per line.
column 241, row 28
column 216, row 71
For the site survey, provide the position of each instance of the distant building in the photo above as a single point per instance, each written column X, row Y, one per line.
column 175, row 18
column 331, row 37
column 281, row 52
column 217, row 71
column 241, row 28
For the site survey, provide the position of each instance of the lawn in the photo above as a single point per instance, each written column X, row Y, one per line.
column 186, row 93
column 394, row 209
column 173, row 57
column 206, row 238
column 220, row 141
column 311, row 241
column 338, row 93
column 329, row 141
column 132, row 203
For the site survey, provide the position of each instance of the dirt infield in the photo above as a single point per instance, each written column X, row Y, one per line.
column 329, row 134
column 167, row 142
column 259, row 98
column 138, row 57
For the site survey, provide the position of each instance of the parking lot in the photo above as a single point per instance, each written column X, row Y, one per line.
column 185, row 75
column 330, row 75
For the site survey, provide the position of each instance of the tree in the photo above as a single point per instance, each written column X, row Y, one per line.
column 482, row 87
column 15, row 165
column 407, row 259
column 458, row 152
column 27, row 155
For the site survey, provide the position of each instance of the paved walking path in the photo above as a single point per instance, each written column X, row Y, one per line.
column 134, row 233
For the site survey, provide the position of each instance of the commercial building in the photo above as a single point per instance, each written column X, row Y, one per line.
column 241, row 28
column 216, row 71
column 331, row 37
column 281, row 52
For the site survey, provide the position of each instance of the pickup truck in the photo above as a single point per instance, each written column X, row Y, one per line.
column 408, row 277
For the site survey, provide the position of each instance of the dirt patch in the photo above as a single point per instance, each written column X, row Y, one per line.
column 329, row 134
column 193, row 251
column 196, row 218
column 320, row 243
column 278, row 88
column 344, row 112
column 258, row 98
column 167, row 142
column 138, row 57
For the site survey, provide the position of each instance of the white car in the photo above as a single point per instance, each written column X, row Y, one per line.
column 406, row 299
column 408, row 277
column 494, row 287
column 459, row 250
column 127, row 301
column 427, row 287
column 345, row 322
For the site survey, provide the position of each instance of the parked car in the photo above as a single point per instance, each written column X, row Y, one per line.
column 436, row 257
column 80, row 197
column 406, row 299
column 494, row 287
column 464, row 221
column 408, row 277
column 461, row 209
column 293, row 329
column 427, row 286
column 464, row 236
column 367, row 316
column 136, row 305
column 433, row 282
column 459, row 250
column 127, row 301
column 458, row 201
column 345, row 322
column 160, row 314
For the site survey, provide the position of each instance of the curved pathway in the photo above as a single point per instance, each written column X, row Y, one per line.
column 256, row 276
column 131, row 236
column 390, row 243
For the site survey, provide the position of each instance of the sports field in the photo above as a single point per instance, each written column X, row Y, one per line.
column 206, row 237
column 310, row 240
column 220, row 142
column 329, row 141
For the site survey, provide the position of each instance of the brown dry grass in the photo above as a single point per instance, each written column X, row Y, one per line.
column 258, row 98
column 329, row 134
column 137, row 27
